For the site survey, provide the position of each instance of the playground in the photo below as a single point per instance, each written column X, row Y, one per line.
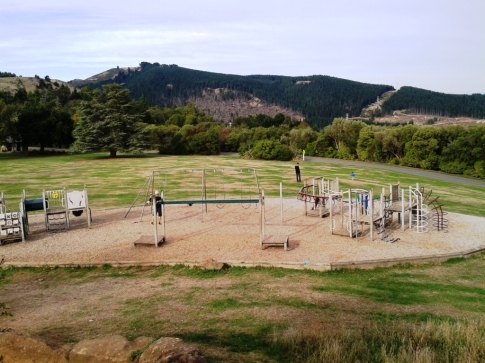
column 231, row 235
column 221, row 215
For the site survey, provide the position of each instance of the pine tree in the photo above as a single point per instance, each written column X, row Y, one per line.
column 110, row 121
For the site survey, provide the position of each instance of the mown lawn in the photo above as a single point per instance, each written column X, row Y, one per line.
column 117, row 182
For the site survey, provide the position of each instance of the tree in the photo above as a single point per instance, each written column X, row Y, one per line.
column 110, row 121
column 271, row 150
column 7, row 118
column 368, row 147
column 424, row 150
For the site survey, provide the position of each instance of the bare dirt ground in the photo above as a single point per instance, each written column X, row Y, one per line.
column 230, row 235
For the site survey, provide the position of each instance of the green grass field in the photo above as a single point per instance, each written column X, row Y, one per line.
column 430, row 313
column 401, row 314
column 117, row 182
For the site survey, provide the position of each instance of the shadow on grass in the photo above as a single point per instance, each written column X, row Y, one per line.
column 257, row 344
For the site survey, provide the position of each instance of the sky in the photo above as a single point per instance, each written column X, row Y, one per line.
column 438, row 45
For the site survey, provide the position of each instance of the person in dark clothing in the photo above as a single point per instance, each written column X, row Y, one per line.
column 158, row 206
column 297, row 171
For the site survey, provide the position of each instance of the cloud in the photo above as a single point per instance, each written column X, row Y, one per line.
column 407, row 42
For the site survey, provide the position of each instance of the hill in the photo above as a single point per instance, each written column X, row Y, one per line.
column 317, row 99
column 420, row 101
column 11, row 84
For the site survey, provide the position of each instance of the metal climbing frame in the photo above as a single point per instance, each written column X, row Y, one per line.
column 418, row 216
column 440, row 221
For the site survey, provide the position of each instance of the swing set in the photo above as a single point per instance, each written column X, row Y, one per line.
column 204, row 187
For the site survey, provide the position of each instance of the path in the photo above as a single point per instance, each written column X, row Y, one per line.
column 403, row 169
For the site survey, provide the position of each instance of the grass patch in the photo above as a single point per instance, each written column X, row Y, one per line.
column 103, row 175
column 399, row 314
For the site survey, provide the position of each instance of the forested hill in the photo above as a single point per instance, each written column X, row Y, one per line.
column 421, row 101
column 319, row 99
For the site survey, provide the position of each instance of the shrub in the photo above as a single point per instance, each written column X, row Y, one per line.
column 271, row 150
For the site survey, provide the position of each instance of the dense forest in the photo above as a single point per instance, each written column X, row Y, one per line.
column 110, row 119
column 421, row 101
column 319, row 98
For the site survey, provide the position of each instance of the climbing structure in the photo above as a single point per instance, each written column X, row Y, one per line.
column 11, row 228
column 320, row 193
column 57, row 206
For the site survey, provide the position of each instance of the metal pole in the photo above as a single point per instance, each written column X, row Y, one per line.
column 330, row 195
column 281, row 200
column 371, row 196
column 129, row 209
column 88, row 210
column 263, row 214
column 305, row 206
column 350, row 212
column 203, row 196
column 403, row 222
column 150, row 188
column 154, row 211
column 163, row 216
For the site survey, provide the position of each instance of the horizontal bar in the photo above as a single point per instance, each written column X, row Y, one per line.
column 210, row 201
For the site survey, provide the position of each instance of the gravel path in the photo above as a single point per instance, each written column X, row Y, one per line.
column 230, row 235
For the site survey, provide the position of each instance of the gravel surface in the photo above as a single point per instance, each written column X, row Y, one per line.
column 231, row 235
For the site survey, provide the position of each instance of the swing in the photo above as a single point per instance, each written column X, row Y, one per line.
column 246, row 189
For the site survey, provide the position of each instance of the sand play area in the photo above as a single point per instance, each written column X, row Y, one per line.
column 231, row 235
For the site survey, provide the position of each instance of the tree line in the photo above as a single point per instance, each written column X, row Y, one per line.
column 452, row 149
column 109, row 119
column 421, row 101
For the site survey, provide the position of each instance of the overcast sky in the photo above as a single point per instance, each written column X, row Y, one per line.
column 437, row 45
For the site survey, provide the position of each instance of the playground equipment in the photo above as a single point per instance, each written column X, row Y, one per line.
column 3, row 208
column 11, row 229
column 206, row 187
column 353, row 210
column 414, row 206
column 201, row 184
column 357, row 210
column 56, row 205
column 319, row 192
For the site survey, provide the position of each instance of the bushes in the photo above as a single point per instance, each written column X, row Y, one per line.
column 271, row 150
